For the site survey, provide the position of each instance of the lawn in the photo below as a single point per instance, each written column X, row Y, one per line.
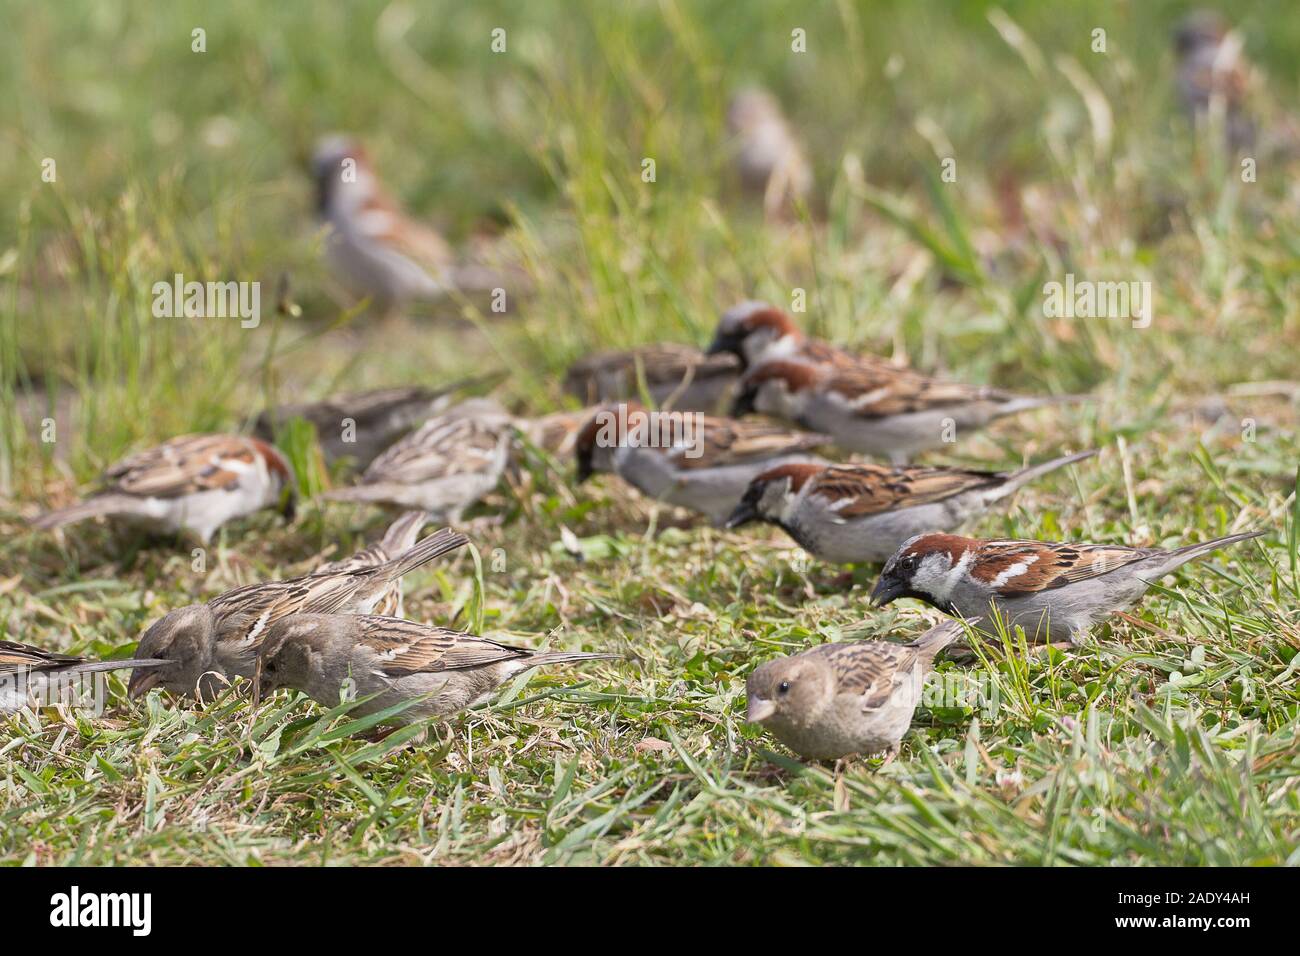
column 1170, row 738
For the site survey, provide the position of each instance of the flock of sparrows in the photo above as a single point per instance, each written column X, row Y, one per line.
column 340, row 629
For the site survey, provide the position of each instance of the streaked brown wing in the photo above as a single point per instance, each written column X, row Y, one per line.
column 861, row 490
column 731, row 442
column 1050, row 565
column 183, row 466
column 406, row 648
column 15, row 657
column 438, row 449
column 868, row 669
column 879, row 390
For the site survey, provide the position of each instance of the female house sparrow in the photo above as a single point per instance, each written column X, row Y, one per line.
column 398, row 539
column 222, row 637
column 329, row 655
column 851, row 513
column 687, row 459
column 877, row 410
column 371, row 420
column 1048, row 589
column 675, row 376
column 757, row 332
column 195, row 483
column 768, row 158
column 30, row 676
column 837, row 700
column 444, row 466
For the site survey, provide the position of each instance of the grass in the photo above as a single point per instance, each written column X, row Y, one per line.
column 1169, row 740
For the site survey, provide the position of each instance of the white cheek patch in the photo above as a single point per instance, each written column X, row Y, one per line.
column 941, row 583
column 1017, row 569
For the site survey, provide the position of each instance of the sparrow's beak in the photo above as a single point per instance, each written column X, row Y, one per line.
column 142, row 681
column 745, row 513
column 743, row 404
column 723, row 343
column 758, row 710
column 886, row 590
column 290, row 507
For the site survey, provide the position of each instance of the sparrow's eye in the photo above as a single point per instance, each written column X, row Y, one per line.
column 909, row 563
column 783, row 687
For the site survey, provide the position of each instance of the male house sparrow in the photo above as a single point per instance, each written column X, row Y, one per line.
column 195, row 483
column 877, row 410
column 851, row 513
column 675, row 376
column 685, row 458
column 1212, row 74
column 768, row 159
column 222, row 637
column 1048, row 589
column 362, row 424
column 836, row 700
column 329, row 655
column 444, row 466
column 756, row 332
column 30, row 676
column 398, row 539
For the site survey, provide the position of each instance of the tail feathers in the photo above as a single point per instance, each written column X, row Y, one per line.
column 401, row 534
column 1181, row 556
column 1023, row 403
column 435, row 545
column 1024, row 476
column 929, row 644
column 92, row 667
column 568, row 657
column 90, row 508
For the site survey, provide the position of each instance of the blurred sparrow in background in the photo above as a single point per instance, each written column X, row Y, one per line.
column 837, row 700
column 1051, row 590
column 1213, row 77
column 439, row 671
column 674, row 376
column 444, row 466
column 769, row 161
column 851, row 513
column 757, row 332
column 687, row 459
column 193, row 483
column 206, row 642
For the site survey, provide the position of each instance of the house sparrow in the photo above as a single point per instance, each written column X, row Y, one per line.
column 675, row 376
column 375, row 248
column 332, row 656
column 852, row 513
column 32, row 677
column 1213, row 75
column 195, row 483
column 757, row 332
column 398, row 539
column 361, row 425
column 877, row 410
column 1046, row 588
column 444, row 466
column 768, row 159
column 685, row 458
column 220, row 639
column 836, row 700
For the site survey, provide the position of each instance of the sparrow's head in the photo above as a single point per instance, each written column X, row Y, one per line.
column 339, row 166
column 775, row 388
column 1199, row 30
column 186, row 638
column 770, row 495
column 291, row 646
column 927, row 567
column 789, row 691
column 605, row 431
column 754, row 331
